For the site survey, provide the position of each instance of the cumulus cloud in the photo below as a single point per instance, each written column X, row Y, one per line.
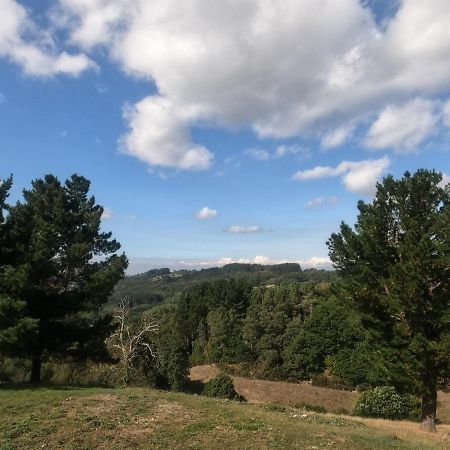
column 403, row 127
column 240, row 229
column 34, row 49
column 159, row 135
column 358, row 176
column 206, row 213
column 351, row 67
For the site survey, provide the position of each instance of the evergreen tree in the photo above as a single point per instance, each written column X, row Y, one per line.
column 395, row 268
column 60, row 271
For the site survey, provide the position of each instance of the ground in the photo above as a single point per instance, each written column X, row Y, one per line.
column 142, row 418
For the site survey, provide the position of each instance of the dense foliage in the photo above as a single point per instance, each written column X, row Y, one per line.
column 221, row 386
column 394, row 266
column 387, row 403
column 57, row 269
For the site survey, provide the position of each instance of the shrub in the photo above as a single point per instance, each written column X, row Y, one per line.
column 221, row 387
column 386, row 403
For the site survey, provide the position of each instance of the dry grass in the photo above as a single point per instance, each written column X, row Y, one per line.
column 143, row 418
column 293, row 394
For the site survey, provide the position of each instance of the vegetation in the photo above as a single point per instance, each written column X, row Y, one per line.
column 386, row 403
column 57, row 269
column 142, row 418
column 379, row 323
column 394, row 266
column 221, row 386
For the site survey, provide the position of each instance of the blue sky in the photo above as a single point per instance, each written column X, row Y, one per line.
column 227, row 131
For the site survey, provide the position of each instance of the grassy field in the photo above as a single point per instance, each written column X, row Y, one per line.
column 295, row 394
column 140, row 418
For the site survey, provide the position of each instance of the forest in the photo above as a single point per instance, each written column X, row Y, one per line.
column 379, row 320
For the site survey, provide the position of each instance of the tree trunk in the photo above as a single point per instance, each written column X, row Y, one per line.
column 36, row 363
column 429, row 411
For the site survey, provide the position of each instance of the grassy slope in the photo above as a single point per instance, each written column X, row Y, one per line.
column 144, row 418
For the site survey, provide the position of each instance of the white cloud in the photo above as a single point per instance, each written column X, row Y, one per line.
column 206, row 213
column 403, row 127
column 243, row 229
column 2, row 98
column 285, row 150
column 338, row 136
column 258, row 153
column 313, row 262
column 321, row 201
column 282, row 68
column 22, row 42
column 358, row 176
column 446, row 114
column 108, row 214
column 159, row 136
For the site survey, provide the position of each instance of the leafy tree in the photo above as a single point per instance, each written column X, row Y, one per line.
column 395, row 269
column 60, row 271
column 331, row 328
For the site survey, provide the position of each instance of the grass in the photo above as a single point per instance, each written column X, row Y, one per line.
column 140, row 418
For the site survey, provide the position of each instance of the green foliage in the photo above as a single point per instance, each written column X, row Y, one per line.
column 386, row 403
column 331, row 327
column 169, row 366
column 58, row 269
column 221, row 386
column 158, row 285
column 394, row 268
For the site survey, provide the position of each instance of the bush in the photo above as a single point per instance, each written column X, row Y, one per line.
column 221, row 387
column 386, row 403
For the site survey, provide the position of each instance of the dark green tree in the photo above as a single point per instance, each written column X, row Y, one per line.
column 16, row 330
column 60, row 270
column 395, row 268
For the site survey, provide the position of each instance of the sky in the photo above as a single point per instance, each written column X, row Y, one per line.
column 224, row 131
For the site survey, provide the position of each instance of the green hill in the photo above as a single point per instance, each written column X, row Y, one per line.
column 157, row 285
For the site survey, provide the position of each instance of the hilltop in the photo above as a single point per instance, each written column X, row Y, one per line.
column 157, row 285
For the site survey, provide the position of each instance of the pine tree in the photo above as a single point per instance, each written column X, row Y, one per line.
column 395, row 268
column 60, row 270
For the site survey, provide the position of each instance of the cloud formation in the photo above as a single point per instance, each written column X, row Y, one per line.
column 34, row 49
column 290, row 71
column 358, row 176
column 206, row 213
column 403, row 127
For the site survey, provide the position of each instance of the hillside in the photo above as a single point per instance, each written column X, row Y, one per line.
column 158, row 285
column 75, row 418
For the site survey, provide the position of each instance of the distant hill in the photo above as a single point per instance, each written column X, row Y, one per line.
column 158, row 285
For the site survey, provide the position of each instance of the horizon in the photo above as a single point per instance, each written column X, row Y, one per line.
column 243, row 132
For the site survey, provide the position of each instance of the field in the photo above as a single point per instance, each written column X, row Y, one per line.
column 141, row 418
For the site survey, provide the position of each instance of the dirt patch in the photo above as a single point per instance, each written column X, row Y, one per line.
column 203, row 373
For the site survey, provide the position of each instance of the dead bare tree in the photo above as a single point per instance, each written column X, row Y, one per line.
column 131, row 337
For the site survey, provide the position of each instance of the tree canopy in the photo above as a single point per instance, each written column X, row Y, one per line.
column 395, row 269
column 58, row 268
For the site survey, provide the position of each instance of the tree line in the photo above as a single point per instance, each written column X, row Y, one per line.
column 385, row 321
